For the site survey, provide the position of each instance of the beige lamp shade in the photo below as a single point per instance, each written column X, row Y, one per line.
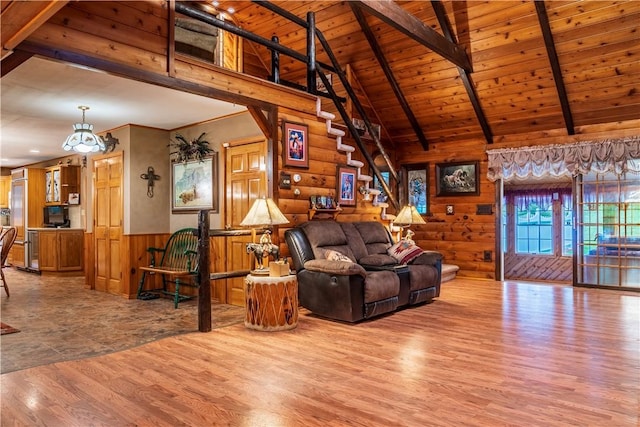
column 264, row 212
column 409, row 215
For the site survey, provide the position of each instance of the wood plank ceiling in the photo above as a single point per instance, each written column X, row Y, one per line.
column 596, row 45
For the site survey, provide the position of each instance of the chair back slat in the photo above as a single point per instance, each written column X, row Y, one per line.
column 175, row 255
column 8, row 237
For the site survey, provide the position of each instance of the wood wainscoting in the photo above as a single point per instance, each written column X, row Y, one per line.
column 535, row 267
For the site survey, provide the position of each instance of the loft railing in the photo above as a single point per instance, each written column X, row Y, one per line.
column 315, row 69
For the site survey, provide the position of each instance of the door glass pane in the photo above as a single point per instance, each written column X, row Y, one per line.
column 609, row 230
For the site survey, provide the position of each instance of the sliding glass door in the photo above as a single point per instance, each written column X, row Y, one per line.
column 608, row 230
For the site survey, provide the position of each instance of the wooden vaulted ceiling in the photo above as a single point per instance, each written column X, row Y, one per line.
column 586, row 73
column 548, row 67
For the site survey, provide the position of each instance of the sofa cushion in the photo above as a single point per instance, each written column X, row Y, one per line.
column 374, row 236
column 354, row 238
column 378, row 260
column 380, row 285
column 422, row 276
column 327, row 235
column 405, row 251
column 332, row 255
column 335, row 267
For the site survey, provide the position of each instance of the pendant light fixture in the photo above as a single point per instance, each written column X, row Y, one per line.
column 83, row 140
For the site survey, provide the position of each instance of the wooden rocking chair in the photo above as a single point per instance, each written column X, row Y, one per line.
column 7, row 238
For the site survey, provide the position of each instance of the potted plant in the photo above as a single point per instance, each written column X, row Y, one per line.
column 196, row 149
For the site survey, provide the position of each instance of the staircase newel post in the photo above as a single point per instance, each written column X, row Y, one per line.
column 204, row 284
column 275, row 62
column 311, row 52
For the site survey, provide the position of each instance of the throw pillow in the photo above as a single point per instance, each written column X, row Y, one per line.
column 336, row 256
column 405, row 251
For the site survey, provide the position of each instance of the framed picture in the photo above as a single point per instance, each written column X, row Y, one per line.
column 194, row 185
column 382, row 197
column 296, row 144
column 457, row 179
column 346, row 185
column 361, row 127
column 417, row 186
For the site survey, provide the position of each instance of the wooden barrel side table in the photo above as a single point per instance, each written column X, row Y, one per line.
column 271, row 303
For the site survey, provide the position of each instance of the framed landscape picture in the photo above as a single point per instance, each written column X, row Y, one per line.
column 194, row 185
column 296, row 144
column 346, row 185
column 457, row 179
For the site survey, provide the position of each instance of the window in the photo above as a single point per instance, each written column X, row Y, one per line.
column 534, row 227
column 540, row 222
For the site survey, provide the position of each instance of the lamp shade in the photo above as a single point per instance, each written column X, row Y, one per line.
column 264, row 212
column 409, row 215
column 83, row 140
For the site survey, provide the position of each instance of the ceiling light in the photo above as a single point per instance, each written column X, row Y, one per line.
column 83, row 139
column 231, row 11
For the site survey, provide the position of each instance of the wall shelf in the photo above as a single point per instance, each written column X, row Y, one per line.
column 324, row 213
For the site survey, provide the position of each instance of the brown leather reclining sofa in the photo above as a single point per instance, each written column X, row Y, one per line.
column 367, row 282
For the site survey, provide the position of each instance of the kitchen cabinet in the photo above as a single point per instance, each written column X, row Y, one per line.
column 60, row 250
column 5, row 187
column 27, row 193
column 59, row 181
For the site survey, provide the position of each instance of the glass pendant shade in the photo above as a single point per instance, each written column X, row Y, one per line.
column 83, row 140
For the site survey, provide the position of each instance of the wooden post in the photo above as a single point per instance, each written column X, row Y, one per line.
column 204, row 283
column 275, row 62
column 311, row 52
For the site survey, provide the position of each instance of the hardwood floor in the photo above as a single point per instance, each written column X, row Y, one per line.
column 484, row 354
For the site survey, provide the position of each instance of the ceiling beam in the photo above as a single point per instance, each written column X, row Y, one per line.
column 555, row 65
column 389, row 74
column 395, row 16
column 262, row 121
column 9, row 63
column 445, row 24
column 21, row 19
column 227, row 92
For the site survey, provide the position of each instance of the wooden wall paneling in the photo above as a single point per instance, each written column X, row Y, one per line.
column 217, row 264
column 138, row 256
column 89, row 263
column 94, row 46
column 120, row 23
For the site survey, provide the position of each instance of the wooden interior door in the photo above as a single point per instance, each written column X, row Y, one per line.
column 246, row 180
column 107, row 214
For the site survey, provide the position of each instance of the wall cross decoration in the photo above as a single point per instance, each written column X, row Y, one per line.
column 151, row 177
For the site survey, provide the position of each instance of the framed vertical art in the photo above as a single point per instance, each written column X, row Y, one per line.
column 194, row 185
column 346, row 185
column 417, row 187
column 295, row 144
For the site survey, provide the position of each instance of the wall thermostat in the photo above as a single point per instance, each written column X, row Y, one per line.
column 297, row 177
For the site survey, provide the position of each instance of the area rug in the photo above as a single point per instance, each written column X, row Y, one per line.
column 6, row 329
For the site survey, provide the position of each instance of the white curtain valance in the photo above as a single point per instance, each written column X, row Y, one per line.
column 615, row 155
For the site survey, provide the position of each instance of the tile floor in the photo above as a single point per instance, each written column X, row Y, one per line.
column 61, row 320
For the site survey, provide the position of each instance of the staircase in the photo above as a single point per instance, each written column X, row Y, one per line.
column 370, row 193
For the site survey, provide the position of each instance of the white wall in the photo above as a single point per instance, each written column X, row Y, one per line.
column 143, row 214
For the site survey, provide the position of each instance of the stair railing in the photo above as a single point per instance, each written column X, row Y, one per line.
column 314, row 69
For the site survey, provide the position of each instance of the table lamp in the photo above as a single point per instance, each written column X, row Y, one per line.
column 407, row 216
column 263, row 213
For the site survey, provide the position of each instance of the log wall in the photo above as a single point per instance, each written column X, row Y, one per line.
column 463, row 237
